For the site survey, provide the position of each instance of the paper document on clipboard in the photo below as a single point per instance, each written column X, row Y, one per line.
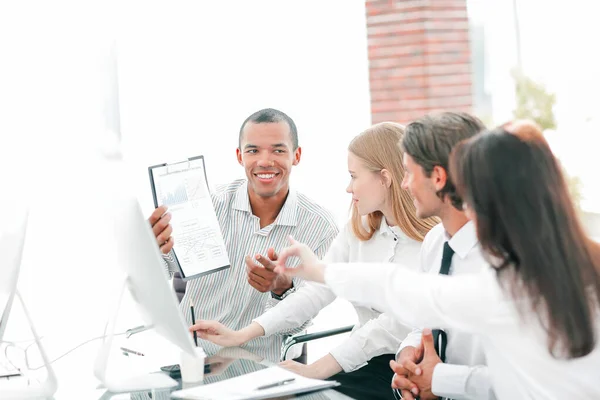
column 199, row 247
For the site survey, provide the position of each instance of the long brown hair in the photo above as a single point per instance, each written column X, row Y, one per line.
column 378, row 148
column 526, row 219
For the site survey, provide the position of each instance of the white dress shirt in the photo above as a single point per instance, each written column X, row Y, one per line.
column 376, row 333
column 464, row 374
column 226, row 296
column 519, row 363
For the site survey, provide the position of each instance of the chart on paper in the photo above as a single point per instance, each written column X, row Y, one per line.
column 200, row 244
column 181, row 187
column 174, row 197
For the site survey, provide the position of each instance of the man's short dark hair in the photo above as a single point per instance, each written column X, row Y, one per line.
column 271, row 115
column 429, row 141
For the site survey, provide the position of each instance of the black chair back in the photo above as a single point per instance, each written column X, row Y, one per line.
column 179, row 285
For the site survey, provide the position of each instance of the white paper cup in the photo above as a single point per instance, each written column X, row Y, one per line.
column 192, row 367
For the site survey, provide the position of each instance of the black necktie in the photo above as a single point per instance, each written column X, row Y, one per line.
column 439, row 336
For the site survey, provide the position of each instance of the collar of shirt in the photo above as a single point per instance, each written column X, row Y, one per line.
column 395, row 231
column 288, row 214
column 464, row 240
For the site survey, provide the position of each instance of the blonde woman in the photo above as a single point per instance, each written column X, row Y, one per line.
column 383, row 228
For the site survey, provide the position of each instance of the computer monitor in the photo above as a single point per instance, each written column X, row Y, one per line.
column 12, row 242
column 137, row 255
column 145, row 276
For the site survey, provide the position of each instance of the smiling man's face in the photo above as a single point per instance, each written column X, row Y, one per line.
column 267, row 154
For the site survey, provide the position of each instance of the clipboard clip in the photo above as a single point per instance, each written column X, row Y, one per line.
column 178, row 166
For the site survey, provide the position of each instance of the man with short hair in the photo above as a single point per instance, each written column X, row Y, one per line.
column 256, row 216
column 449, row 248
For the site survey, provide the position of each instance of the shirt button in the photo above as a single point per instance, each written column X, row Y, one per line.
column 395, row 239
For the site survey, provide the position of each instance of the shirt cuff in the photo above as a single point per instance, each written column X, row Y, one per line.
column 450, row 380
column 409, row 341
column 349, row 355
column 268, row 321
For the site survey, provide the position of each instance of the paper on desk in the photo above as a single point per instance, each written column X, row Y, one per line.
column 158, row 352
column 244, row 387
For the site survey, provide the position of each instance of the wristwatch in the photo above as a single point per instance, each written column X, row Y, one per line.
column 284, row 294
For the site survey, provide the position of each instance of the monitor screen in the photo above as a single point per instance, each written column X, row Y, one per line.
column 140, row 260
column 12, row 241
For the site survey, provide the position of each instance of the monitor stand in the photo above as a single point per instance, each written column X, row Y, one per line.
column 124, row 384
column 42, row 390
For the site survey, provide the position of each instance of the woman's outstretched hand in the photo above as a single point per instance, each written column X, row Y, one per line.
column 310, row 268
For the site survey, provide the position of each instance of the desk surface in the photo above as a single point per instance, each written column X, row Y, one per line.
column 77, row 381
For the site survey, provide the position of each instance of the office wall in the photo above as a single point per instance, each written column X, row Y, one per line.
column 420, row 58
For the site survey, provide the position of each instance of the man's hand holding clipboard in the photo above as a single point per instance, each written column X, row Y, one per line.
column 160, row 221
column 184, row 223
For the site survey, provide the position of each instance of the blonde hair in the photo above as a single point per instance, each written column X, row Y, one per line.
column 378, row 148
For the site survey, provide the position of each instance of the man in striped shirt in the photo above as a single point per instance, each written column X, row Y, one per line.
column 256, row 216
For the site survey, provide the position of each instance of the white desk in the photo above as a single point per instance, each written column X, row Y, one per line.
column 76, row 380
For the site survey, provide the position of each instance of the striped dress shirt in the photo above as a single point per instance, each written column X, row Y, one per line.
column 226, row 296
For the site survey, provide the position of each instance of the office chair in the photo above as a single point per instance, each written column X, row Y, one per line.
column 179, row 285
column 307, row 337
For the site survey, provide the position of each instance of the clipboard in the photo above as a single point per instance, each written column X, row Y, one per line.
column 185, row 164
column 199, row 245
